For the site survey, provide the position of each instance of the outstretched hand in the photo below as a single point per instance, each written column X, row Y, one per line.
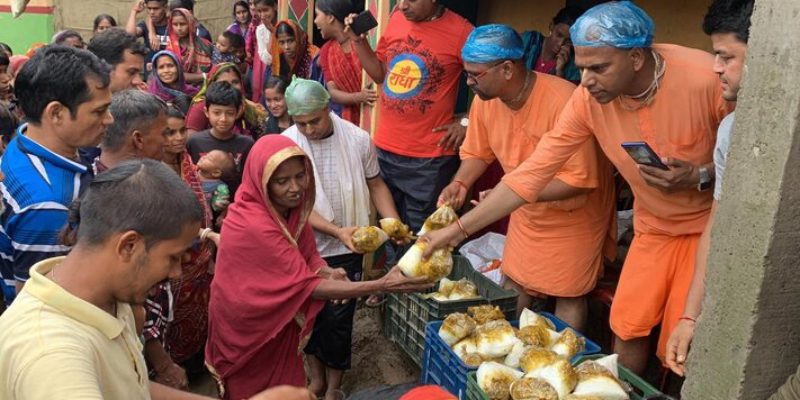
column 447, row 237
column 396, row 282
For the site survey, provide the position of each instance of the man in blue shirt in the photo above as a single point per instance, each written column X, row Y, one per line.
column 64, row 93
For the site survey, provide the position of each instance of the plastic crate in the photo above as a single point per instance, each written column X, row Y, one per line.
column 641, row 389
column 406, row 315
column 442, row 366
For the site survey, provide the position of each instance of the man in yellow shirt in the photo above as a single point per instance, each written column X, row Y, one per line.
column 70, row 334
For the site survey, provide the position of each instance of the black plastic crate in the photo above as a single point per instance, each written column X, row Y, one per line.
column 406, row 315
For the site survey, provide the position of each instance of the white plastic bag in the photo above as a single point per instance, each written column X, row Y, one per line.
column 482, row 252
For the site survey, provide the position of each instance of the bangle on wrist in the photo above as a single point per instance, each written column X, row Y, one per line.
column 461, row 226
column 687, row 318
column 204, row 234
column 462, row 184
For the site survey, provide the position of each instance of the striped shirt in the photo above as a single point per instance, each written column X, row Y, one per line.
column 38, row 187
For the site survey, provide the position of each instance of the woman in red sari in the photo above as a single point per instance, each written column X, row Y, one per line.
column 194, row 52
column 340, row 64
column 270, row 281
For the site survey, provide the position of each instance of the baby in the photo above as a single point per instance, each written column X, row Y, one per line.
column 230, row 48
column 213, row 169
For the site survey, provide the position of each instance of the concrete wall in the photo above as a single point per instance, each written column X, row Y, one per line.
column 216, row 15
column 746, row 341
column 677, row 21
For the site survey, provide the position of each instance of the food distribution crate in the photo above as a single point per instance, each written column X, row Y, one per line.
column 641, row 389
column 406, row 315
column 442, row 366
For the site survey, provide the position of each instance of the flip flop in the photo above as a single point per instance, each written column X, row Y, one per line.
column 375, row 300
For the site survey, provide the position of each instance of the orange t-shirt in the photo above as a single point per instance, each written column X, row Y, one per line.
column 681, row 122
column 553, row 248
column 423, row 67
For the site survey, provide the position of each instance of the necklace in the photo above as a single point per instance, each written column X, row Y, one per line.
column 524, row 89
column 439, row 12
column 645, row 98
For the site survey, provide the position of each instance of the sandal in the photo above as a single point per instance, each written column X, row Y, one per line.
column 375, row 300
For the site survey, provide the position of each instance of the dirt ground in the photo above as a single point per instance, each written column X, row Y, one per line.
column 376, row 361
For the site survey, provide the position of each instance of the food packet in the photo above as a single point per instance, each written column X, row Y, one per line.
column 368, row 239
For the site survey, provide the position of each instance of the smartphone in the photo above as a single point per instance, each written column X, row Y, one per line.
column 363, row 23
column 643, row 154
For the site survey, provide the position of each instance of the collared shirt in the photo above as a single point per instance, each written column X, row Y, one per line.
column 38, row 187
column 58, row 346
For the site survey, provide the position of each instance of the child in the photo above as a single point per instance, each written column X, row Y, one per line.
column 223, row 107
column 8, row 126
column 265, row 43
column 230, row 48
column 275, row 102
column 214, row 169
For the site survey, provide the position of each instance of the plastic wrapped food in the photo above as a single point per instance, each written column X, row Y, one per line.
column 611, row 363
column 454, row 290
column 473, row 360
column 530, row 318
column 463, row 290
column 439, row 265
column 532, row 389
column 446, row 287
column 455, row 327
column 495, row 339
column 440, row 218
column 568, row 344
column 560, row 375
column 369, row 239
column 596, row 380
column 512, row 359
column 396, row 229
column 495, row 380
column 485, row 313
column 535, row 357
column 468, row 345
column 537, row 335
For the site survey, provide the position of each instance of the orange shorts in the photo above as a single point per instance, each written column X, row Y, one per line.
column 653, row 286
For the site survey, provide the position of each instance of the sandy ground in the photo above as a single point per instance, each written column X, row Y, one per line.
column 376, row 360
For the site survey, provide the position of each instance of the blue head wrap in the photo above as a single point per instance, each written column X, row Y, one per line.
column 619, row 24
column 490, row 43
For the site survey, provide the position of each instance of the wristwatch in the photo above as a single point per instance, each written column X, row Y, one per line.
column 705, row 180
column 464, row 122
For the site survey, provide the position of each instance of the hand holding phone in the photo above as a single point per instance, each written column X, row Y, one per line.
column 363, row 23
column 643, row 154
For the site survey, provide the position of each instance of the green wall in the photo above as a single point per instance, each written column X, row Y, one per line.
column 26, row 30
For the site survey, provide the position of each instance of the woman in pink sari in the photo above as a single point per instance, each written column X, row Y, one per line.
column 270, row 281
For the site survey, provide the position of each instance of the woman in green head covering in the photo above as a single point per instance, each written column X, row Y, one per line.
column 252, row 121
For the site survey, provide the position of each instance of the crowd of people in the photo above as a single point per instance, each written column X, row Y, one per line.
column 177, row 204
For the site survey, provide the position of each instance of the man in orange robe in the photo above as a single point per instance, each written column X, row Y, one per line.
column 632, row 90
column 554, row 246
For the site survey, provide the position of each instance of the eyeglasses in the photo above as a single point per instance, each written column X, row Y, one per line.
column 476, row 77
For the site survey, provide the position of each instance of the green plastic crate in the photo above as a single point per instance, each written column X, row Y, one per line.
column 406, row 315
column 641, row 388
